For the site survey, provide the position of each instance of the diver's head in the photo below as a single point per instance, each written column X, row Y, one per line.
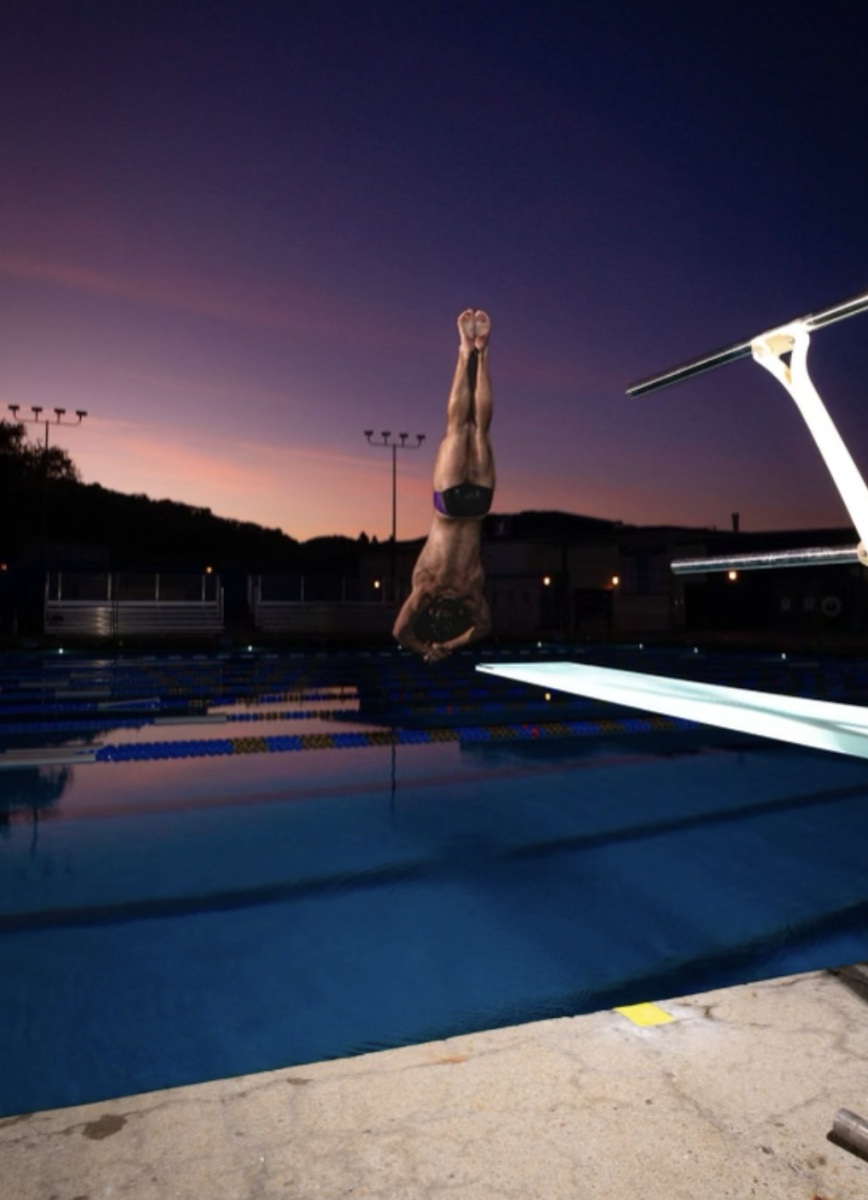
column 441, row 621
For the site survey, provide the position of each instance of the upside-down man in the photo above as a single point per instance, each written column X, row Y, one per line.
column 447, row 608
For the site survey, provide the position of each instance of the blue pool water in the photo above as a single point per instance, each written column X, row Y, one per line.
column 480, row 856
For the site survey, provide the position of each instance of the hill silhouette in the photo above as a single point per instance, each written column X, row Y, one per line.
column 49, row 505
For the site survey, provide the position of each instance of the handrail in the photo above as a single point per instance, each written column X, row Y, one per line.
column 815, row 556
column 839, row 311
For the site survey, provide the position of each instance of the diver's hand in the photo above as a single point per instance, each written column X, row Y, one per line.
column 436, row 652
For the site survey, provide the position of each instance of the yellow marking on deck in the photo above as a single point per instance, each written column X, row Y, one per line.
column 644, row 1014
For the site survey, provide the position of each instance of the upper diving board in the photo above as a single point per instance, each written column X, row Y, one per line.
column 769, row 350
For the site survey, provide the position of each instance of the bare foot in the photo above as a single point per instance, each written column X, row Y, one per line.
column 467, row 329
column 482, row 322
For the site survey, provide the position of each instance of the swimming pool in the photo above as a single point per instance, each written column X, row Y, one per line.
column 273, row 859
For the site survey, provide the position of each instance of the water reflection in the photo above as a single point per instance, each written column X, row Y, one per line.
column 30, row 792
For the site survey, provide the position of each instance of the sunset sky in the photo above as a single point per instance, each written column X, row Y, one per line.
column 238, row 234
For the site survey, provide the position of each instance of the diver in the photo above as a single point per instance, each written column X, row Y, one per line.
column 447, row 608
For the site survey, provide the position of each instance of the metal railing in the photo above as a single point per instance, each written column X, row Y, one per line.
column 313, row 604
column 98, row 605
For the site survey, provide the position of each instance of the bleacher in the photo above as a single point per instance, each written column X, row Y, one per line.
column 104, row 605
column 314, row 605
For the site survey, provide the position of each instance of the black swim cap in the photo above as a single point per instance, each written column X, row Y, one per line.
column 442, row 621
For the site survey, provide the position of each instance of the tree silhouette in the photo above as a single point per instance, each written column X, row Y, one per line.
column 46, row 501
column 28, row 461
column 27, row 471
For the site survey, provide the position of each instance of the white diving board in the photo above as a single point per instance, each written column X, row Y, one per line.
column 819, row 724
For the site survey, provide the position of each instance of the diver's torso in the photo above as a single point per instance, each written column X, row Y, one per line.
column 450, row 558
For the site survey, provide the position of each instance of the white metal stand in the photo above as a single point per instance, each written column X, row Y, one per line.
column 768, row 350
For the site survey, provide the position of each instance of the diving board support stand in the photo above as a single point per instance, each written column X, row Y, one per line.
column 768, row 350
column 794, row 340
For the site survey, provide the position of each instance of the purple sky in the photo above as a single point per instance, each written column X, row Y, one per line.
column 238, row 234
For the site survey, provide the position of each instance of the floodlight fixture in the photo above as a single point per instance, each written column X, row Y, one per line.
column 401, row 444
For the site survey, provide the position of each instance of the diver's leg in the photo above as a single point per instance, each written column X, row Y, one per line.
column 482, row 397
column 456, row 450
column 482, row 471
column 459, row 408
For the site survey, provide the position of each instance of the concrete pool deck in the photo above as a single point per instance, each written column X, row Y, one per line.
column 734, row 1097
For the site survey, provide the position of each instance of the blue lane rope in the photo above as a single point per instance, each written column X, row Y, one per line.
column 207, row 748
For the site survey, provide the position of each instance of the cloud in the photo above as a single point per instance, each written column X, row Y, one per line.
column 302, row 310
column 197, row 388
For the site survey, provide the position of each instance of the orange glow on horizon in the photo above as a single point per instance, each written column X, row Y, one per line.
column 305, row 491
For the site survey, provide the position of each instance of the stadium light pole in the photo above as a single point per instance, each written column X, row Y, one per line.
column 388, row 443
column 38, row 419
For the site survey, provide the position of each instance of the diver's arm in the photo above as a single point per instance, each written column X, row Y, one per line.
column 482, row 623
column 480, row 627
column 481, row 614
column 402, row 630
